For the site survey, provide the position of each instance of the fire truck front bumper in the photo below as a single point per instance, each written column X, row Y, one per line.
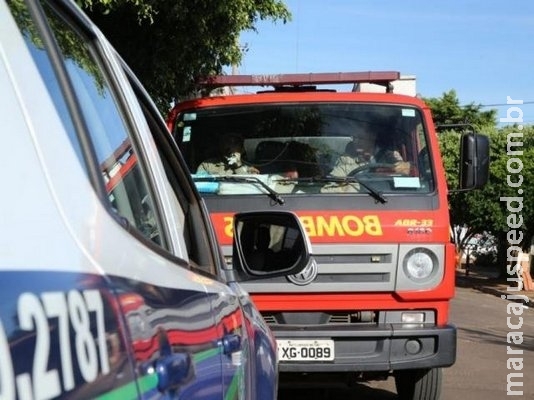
column 382, row 347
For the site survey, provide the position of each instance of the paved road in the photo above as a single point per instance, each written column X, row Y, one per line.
column 480, row 371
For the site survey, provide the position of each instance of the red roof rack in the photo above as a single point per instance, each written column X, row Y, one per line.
column 277, row 80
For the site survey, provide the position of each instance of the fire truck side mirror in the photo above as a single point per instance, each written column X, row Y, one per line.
column 474, row 161
column 268, row 244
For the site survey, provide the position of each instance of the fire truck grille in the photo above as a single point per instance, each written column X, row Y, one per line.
column 350, row 268
column 320, row 318
column 339, row 318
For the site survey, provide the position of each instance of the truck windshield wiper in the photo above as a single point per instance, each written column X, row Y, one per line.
column 253, row 180
column 375, row 194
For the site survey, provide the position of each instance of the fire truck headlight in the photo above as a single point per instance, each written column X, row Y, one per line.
column 420, row 264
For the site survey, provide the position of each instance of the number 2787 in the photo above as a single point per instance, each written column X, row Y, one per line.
column 71, row 310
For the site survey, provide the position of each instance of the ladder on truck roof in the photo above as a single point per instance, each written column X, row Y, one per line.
column 280, row 81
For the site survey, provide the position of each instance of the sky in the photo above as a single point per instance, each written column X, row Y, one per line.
column 483, row 49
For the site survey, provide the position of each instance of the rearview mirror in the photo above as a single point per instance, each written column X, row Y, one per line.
column 474, row 161
column 269, row 244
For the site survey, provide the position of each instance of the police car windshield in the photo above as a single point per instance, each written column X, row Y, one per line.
column 380, row 147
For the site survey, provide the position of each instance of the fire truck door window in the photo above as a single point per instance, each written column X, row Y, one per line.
column 123, row 173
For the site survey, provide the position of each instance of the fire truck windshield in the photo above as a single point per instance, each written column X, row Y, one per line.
column 307, row 148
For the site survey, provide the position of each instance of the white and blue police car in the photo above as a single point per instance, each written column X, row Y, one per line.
column 112, row 284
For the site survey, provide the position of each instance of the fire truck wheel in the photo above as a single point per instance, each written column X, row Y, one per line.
column 420, row 384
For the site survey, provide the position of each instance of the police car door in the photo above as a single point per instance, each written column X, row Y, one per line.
column 60, row 325
column 206, row 260
column 132, row 238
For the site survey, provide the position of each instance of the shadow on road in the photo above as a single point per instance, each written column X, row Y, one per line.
column 357, row 391
column 478, row 275
column 486, row 279
column 483, row 335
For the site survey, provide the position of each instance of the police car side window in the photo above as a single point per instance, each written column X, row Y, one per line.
column 34, row 43
column 195, row 229
column 122, row 170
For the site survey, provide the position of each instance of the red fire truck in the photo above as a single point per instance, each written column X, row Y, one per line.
column 364, row 174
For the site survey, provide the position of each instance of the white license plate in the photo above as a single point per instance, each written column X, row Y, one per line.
column 305, row 350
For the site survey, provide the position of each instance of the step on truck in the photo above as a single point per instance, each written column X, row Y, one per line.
column 364, row 174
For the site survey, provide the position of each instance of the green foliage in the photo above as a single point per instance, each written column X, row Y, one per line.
column 144, row 10
column 485, row 259
column 447, row 110
column 481, row 210
column 170, row 43
column 72, row 47
column 508, row 168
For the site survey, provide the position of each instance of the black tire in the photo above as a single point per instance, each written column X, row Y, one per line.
column 420, row 384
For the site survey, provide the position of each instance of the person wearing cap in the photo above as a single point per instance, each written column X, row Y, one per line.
column 387, row 153
column 357, row 154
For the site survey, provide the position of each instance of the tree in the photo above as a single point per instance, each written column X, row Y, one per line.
column 511, row 177
column 447, row 110
column 512, row 160
column 170, row 43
